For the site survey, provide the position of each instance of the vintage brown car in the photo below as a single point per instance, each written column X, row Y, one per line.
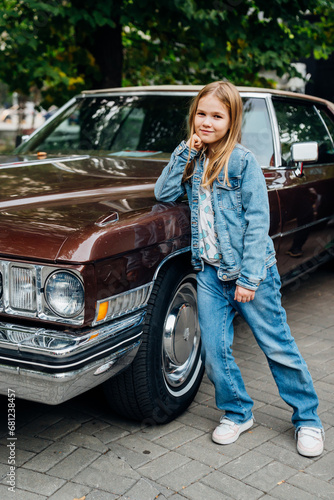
column 95, row 278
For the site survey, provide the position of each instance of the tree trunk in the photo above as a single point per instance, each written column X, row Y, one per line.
column 322, row 74
column 103, row 42
column 107, row 50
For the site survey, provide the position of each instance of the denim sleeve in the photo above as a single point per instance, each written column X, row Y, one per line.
column 255, row 204
column 169, row 186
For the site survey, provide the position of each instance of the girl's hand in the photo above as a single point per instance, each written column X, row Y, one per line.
column 243, row 294
column 195, row 142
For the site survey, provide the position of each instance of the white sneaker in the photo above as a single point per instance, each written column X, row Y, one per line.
column 227, row 431
column 310, row 441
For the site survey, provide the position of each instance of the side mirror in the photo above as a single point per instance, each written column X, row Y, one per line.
column 304, row 151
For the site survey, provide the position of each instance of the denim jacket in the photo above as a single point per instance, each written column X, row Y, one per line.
column 241, row 213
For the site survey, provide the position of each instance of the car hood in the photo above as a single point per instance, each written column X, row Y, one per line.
column 62, row 208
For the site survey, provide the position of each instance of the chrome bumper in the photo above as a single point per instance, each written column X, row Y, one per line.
column 54, row 376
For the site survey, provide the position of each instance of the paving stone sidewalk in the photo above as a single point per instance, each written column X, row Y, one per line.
column 78, row 450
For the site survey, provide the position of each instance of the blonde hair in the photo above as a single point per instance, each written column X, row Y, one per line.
column 228, row 95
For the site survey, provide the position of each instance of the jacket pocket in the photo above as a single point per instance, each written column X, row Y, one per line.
column 229, row 196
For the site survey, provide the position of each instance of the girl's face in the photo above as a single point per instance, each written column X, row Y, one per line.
column 212, row 120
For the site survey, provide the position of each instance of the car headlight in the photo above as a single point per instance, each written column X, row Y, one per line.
column 64, row 294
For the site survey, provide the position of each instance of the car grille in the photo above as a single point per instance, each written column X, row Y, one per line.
column 22, row 289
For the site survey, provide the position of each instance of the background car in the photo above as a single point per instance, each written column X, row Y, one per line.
column 95, row 278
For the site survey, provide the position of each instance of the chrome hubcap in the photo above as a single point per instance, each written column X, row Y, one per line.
column 181, row 335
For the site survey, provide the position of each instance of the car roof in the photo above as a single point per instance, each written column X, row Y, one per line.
column 196, row 88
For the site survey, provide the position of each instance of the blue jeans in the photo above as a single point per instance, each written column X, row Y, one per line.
column 267, row 320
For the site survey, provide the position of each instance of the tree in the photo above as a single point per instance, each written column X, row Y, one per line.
column 61, row 47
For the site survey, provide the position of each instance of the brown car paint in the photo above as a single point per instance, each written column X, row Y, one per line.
column 100, row 214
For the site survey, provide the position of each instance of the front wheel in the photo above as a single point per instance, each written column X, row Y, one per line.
column 167, row 371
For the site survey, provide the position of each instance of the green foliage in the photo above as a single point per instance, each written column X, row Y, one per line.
column 53, row 45
column 41, row 49
column 234, row 40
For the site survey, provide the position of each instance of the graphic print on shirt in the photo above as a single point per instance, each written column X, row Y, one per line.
column 208, row 244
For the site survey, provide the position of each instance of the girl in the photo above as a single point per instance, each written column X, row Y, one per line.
column 235, row 258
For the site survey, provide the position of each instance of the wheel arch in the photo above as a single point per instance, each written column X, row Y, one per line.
column 183, row 256
column 165, row 375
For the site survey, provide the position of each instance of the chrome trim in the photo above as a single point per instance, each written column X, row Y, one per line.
column 43, row 162
column 109, row 317
column 68, row 104
column 257, row 95
column 80, row 342
column 171, row 89
column 293, row 168
column 108, row 219
column 166, row 89
column 306, row 267
column 280, row 167
column 311, row 224
column 73, row 365
column 275, row 131
column 163, row 92
column 189, row 93
column 324, row 124
column 170, row 256
column 56, row 388
column 181, row 336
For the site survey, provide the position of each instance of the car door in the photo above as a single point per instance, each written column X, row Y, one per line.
column 306, row 199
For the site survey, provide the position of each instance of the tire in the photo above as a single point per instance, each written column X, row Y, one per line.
column 165, row 375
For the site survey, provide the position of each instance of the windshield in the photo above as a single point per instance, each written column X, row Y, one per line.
column 139, row 125
column 119, row 124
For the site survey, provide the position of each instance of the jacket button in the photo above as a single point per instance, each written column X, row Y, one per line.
column 224, row 277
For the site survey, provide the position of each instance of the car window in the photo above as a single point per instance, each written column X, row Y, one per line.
column 328, row 118
column 116, row 124
column 300, row 121
column 256, row 130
